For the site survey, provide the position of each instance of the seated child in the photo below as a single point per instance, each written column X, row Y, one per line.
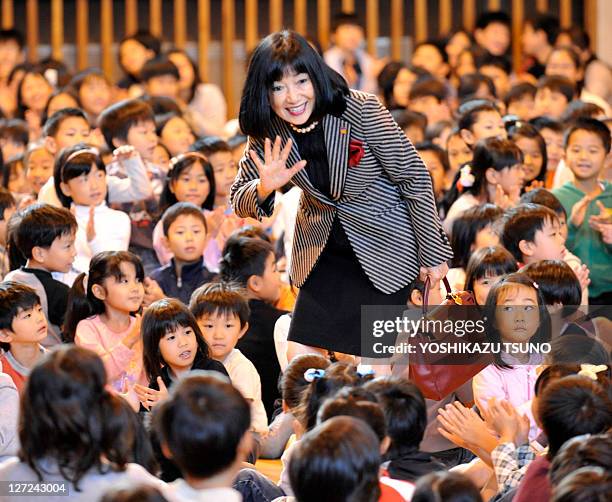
column 588, row 201
column 531, row 233
column 413, row 124
column 102, row 317
column 251, row 263
column 485, row 268
column 160, row 77
column 45, row 237
column 337, row 460
column 406, row 419
column 185, row 232
column 7, row 209
column 552, row 132
column 81, row 184
column 553, row 94
column 174, row 133
column 94, row 92
column 222, row 314
column 435, row 161
column 429, row 96
column 533, row 146
column 204, row 427
column 23, row 326
column 86, row 438
column 520, row 100
column 498, row 69
column 15, row 181
column 38, row 163
column 458, row 153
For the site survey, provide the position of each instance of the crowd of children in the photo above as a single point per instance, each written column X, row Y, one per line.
column 143, row 324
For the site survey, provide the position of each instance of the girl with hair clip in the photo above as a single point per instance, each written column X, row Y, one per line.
column 515, row 313
column 533, row 147
column 206, row 106
column 103, row 316
column 485, row 268
column 86, row 436
column 472, row 230
column 190, row 179
column 494, row 175
column 81, row 184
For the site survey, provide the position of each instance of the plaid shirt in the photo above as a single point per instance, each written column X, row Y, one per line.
column 510, row 464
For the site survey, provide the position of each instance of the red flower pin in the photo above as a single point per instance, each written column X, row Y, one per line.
column 356, row 152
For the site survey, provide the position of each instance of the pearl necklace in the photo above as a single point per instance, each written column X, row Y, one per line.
column 304, row 130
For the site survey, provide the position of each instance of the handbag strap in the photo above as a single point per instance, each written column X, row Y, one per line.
column 427, row 288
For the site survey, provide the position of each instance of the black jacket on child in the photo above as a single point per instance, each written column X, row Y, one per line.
column 411, row 464
column 193, row 275
column 257, row 345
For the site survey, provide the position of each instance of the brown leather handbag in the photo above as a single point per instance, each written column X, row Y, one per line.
column 434, row 378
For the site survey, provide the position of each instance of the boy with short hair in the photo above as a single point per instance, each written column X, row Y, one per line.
column 251, row 264
column 430, row 56
column 23, row 326
column 492, row 32
column 429, row 96
column 219, row 154
column 520, row 100
column 554, row 93
column 45, row 236
column 160, row 77
column 204, row 428
column 538, row 39
column 222, row 314
column 185, row 231
column 498, row 69
column 588, row 201
column 414, row 125
column 7, row 208
column 347, row 56
column 14, row 138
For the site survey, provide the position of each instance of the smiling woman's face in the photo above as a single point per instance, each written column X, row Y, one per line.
column 293, row 98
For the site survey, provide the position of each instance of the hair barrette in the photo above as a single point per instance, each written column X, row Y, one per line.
column 591, row 370
column 312, row 374
column 536, row 285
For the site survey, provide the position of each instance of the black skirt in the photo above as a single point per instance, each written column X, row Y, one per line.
column 327, row 312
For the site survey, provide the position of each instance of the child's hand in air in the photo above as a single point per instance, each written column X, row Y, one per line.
column 214, row 220
column 602, row 222
column 124, row 152
column 533, row 185
column 582, row 273
column 579, row 211
column 465, row 428
column 150, row 397
column 153, row 291
column 504, row 419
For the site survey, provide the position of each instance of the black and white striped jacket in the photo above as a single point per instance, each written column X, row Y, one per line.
column 385, row 203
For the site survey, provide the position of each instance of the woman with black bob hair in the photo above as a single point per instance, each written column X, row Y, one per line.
column 367, row 223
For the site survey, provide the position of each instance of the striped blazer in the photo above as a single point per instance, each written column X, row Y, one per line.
column 385, row 203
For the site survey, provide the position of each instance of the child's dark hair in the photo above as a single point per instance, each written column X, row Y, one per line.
column 6, row 201
column 337, row 461
column 522, row 223
column 519, row 91
column 219, row 298
column 324, row 384
column 358, row 403
column 492, row 16
column 252, row 231
column 342, row 18
column 592, row 126
column 163, row 317
column 157, row 67
column 544, row 197
column 430, row 146
column 428, row 86
column 196, row 72
column 12, row 35
column 405, row 413
column 293, row 382
column 209, row 145
column 542, row 335
column 572, row 406
column 243, row 257
column 180, row 164
column 488, row 262
column 445, row 487
column 72, row 162
column 144, row 38
column 15, row 256
column 82, row 303
column 202, row 424
column 548, row 24
column 578, row 349
column 471, row 82
column 181, row 209
column 117, row 120
column 544, row 122
column 15, row 131
column 469, row 111
column 54, row 122
column 21, row 106
column 41, row 224
column 410, row 118
column 490, row 153
column 79, row 429
column 466, row 228
column 9, row 168
column 579, row 452
column 488, row 59
column 14, row 298
column 577, row 109
column 558, row 83
column 587, row 484
column 520, row 129
column 557, row 281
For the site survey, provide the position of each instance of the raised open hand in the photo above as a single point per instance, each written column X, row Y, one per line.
column 273, row 171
